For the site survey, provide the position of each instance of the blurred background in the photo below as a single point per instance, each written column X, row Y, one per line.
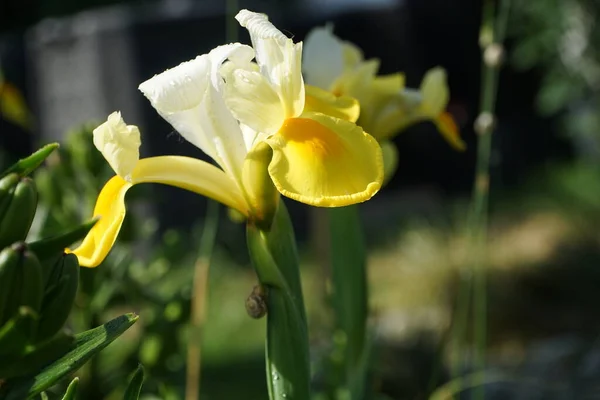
column 74, row 62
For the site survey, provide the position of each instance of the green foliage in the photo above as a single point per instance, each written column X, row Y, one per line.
column 71, row 390
column 135, row 384
column 274, row 256
column 85, row 345
column 38, row 286
column 559, row 38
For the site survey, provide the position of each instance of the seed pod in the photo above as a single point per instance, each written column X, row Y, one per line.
column 256, row 303
column 26, row 286
column 16, row 334
column 17, row 210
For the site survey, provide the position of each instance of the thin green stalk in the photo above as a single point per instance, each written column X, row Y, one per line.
column 274, row 256
column 350, row 291
column 231, row 26
column 493, row 29
column 199, row 300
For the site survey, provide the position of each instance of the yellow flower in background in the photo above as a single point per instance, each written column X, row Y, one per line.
column 267, row 132
column 386, row 105
column 13, row 107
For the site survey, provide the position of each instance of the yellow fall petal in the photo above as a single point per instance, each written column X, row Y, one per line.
column 322, row 101
column 183, row 172
column 110, row 206
column 447, row 127
column 435, row 92
column 324, row 161
column 390, row 160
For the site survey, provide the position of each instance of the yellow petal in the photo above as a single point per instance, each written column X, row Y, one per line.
column 447, row 127
column 183, row 172
column 352, row 55
column 324, row 161
column 13, row 107
column 358, row 81
column 435, row 92
column 321, row 101
column 119, row 144
column 380, row 109
column 390, row 84
column 111, row 207
column 390, row 159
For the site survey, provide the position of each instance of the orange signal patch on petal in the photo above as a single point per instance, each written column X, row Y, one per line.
column 449, row 130
column 324, row 161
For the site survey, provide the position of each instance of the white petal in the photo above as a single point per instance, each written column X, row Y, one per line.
column 188, row 97
column 323, row 60
column 253, row 101
column 434, row 89
column 177, row 93
column 119, row 143
column 279, row 59
column 238, row 54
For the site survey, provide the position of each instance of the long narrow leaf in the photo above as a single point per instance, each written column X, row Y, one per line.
column 87, row 344
column 349, row 283
column 71, row 392
column 135, row 384
column 27, row 165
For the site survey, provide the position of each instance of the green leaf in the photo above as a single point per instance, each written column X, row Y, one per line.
column 27, row 165
column 71, row 390
column 349, row 290
column 135, row 384
column 87, row 344
column 54, row 246
column 275, row 258
column 16, row 334
column 38, row 357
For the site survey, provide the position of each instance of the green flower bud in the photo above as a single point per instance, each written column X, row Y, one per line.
column 21, row 282
column 263, row 196
column 18, row 202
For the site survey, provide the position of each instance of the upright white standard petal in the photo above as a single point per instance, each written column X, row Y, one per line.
column 279, row 59
column 253, row 100
column 188, row 97
column 323, row 59
column 119, row 143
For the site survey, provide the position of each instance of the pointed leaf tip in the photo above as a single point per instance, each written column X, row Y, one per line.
column 71, row 392
column 54, row 246
column 86, row 345
column 27, row 165
column 135, row 384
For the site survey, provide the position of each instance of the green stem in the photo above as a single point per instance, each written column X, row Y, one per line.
column 275, row 258
column 199, row 300
column 491, row 38
column 350, row 290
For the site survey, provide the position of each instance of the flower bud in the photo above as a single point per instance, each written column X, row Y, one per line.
column 262, row 194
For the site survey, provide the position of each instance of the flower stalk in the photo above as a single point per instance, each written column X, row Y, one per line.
column 275, row 259
column 491, row 37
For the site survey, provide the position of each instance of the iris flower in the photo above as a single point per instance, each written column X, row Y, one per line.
column 250, row 111
column 386, row 105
